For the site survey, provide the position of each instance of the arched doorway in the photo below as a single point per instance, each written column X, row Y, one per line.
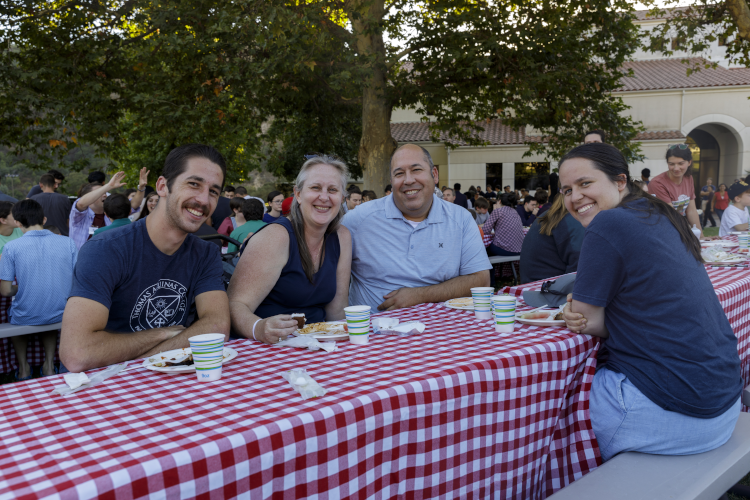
column 706, row 154
column 717, row 141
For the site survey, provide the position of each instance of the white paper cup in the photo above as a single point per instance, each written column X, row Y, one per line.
column 482, row 296
column 743, row 240
column 208, row 355
column 357, row 322
column 504, row 313
column 359, row 339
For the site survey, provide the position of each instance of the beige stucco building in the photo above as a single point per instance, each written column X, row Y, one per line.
column 709, row 110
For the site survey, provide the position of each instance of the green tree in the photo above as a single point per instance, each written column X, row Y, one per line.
column 694, row 27
column 264, row 81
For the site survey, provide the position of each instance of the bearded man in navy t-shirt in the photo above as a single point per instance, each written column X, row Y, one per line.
column 133, row 286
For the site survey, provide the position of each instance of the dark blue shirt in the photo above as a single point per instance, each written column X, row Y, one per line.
column 142, row 287
column 668, row 332
column 527, row 218
column 545, row 256
column 293, row 292
column 268, row 218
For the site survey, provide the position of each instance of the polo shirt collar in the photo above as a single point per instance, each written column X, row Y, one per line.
column 435, row 216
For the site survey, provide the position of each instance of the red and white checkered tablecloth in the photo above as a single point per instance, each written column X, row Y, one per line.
column 459, row 411
column 732, row 286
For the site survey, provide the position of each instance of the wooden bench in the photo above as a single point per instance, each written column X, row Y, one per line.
column 497, row 259
column 8, row 330
column 705, row 476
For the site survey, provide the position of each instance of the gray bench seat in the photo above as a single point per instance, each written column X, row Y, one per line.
column 8, row 330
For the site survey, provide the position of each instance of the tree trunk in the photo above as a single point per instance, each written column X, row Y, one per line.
column 740, row 12
column 377, row 144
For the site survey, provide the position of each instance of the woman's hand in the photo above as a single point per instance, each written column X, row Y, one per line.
column 274, row 329
column 574, row 321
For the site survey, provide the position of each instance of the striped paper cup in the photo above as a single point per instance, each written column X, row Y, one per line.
column 208, row 355
column 358, row 323
column 504, row 313
column 482, row 301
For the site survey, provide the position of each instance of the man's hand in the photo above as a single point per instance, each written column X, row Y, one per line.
column 398, row 299
column 142, row 178
column 574, row 321
column 535, row 211
column 276, row 328
column 116, row 181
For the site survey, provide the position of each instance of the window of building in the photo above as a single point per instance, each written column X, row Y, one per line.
column 532, row 175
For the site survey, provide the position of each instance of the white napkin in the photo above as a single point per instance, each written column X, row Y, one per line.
column 306, row 341
column 76, row 380
column 304, row 383
column 383, row 322
column 409, row 328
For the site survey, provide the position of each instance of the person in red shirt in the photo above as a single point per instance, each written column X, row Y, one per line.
column 229, row 224
column 675, row 186
column 721, row 201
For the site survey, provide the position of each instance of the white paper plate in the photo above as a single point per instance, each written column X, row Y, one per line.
column 323, row 335
column 541, row 322
column 229, row 355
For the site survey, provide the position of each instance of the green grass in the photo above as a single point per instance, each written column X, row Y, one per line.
column 710, row 231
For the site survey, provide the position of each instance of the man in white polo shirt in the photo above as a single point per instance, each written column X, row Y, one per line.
column 412, row 247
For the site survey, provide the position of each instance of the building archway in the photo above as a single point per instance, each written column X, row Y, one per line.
column 720, row 145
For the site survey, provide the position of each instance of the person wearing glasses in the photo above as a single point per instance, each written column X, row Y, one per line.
column 675, row 186
column 671, row 384
column 275, row 199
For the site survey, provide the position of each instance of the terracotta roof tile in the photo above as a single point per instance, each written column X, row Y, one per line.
column 498, row 134
column 672, row 74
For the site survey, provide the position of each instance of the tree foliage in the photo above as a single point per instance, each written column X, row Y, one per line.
column 268, row 81
column 695, row 27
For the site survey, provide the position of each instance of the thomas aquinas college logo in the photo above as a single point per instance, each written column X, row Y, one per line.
column 162, row 304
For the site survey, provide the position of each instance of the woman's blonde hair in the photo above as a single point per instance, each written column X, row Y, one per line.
column 553, row 216
column 298, row 221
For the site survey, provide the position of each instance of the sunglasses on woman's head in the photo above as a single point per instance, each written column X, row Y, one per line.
column 681, row 146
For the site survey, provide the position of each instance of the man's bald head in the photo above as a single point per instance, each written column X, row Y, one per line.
column 412, row 148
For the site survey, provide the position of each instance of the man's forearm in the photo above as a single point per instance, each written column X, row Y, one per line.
column 90, row 198
column 208, row 324
column 459, row 286
column 103, row 348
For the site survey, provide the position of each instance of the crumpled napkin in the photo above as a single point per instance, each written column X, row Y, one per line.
column 306, row 341
column 383, row 322
column 304, row 383
column 80, row 381
column 408, row 328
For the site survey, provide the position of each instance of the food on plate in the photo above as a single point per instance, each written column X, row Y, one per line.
column 461, row 302
column 300, row 317
column 322, row 328
column 175, row 360
column 535, row 315
column 715, row 254
column 559, row 316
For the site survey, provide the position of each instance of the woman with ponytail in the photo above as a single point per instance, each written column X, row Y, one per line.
column 671, row 384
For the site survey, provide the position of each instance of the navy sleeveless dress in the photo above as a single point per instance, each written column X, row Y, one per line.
column 293, row 292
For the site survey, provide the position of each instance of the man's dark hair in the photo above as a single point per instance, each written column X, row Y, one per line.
column 240, row 191
column 509, row 199
column 130, row 190
column 28, row 213
column 5, row 208
column 457, row 186
column 57, row 174
column 97, row 177
column 236, row 203
column 388, row 188
column 229, row 189
column 117, row 206
column 646, row 172
column 482, row 203
column 52, row 228
column 352, row 190
column 47, row 180
column 598, row 132
column 541, row 196
column 252, row 209
column 177, row 159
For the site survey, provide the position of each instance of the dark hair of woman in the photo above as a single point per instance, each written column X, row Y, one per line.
column 609, row 159
column 509, row 199
column 677, row 150
column 253, row 209
column 552, row 217
column 145, row 211
column 236, row 204
column 272, row 195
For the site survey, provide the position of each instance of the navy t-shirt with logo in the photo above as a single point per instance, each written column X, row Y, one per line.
column 142, row 287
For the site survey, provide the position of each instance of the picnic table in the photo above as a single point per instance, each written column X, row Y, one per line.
column 458, row 411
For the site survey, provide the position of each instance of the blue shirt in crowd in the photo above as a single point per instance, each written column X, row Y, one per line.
column 389, row 252
column 667, row 330
column 142, row 287
column 42, row 262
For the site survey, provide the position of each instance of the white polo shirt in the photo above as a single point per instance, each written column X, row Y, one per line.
column 388, row 253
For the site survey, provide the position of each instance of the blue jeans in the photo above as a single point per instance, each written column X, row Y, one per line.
column 624, row 419
column 719, row 212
